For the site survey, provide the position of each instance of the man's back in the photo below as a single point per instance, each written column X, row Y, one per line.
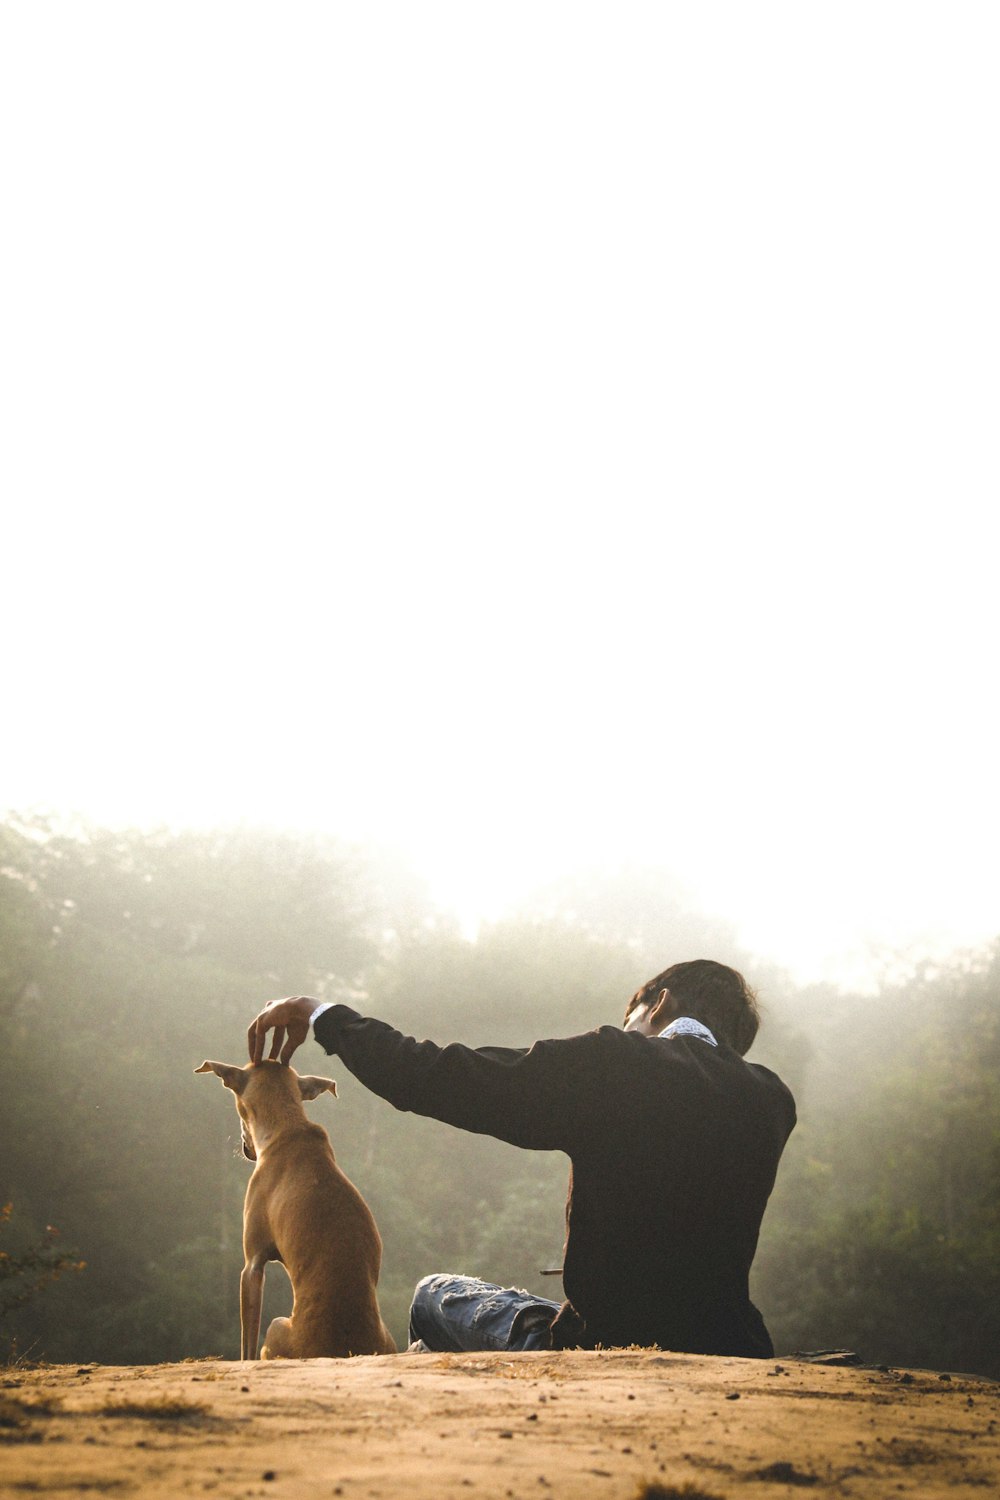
column 674, row 1145
column 668, row 1190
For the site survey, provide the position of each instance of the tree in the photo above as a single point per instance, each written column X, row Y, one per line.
column 24, row 1274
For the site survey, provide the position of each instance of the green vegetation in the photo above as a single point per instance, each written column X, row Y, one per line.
column 23, row 1276
column 126, row 959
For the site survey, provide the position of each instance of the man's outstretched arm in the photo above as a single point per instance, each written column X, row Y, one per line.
column 539, row 1097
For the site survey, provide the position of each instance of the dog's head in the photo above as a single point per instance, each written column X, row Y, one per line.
column 248, row 1083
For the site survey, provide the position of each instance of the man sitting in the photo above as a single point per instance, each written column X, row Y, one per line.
column 674, row 1142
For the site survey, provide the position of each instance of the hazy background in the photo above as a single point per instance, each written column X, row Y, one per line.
column 536, row 436
column 546, row 450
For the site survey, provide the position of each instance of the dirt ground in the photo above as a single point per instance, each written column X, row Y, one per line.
column 613, row 1425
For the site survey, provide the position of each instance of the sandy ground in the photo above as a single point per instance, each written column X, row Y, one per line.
column 608, row 1425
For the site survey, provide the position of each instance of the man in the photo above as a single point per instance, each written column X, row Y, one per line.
column 673, row 1139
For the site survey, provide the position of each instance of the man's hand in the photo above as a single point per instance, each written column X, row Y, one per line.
column 290, row 1022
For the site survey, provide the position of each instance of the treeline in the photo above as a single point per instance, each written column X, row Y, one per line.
column 126, row 959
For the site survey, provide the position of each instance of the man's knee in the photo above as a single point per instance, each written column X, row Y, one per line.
column 428, row 1284
column 428, row 1289
column 426, row 1304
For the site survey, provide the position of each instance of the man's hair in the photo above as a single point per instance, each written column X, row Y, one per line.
column 717, row 996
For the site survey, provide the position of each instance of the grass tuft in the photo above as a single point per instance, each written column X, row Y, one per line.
column 159, row 1409
column 15, row 1410
column 686, row 1491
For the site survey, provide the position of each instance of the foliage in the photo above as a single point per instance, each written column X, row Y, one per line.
column 24, row 1274
column 884, row 1231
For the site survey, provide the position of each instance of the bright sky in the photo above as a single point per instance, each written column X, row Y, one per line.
column 535, row 435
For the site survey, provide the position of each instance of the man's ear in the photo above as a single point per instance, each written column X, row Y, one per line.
column 234, row 1078
column 310, row 1086
column 663, row 1011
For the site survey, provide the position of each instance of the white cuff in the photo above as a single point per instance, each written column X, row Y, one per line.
column 326, row 1005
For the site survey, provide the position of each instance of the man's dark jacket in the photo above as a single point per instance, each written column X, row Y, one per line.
column 674, row 1147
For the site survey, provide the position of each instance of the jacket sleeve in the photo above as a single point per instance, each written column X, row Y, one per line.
column 539, row 1097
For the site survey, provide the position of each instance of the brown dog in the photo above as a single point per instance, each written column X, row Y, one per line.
column 302, row 1210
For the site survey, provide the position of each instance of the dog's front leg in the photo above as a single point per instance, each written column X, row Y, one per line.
column 251, row 1298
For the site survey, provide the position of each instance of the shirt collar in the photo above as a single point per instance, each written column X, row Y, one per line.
column 688, row 1026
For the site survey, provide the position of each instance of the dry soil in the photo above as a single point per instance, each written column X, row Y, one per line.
column 610, row 1425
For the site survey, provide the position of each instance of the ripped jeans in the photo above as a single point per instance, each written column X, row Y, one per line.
column 459, row 1314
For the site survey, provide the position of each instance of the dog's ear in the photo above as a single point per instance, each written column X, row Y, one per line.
column 309, row 1086
column 234, row 1078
